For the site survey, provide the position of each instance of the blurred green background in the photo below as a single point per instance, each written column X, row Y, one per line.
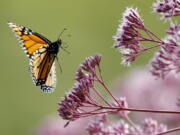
column 91, row 24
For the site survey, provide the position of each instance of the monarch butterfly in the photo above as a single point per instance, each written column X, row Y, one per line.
column 41, row 53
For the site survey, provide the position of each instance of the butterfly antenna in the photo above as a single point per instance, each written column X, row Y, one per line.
column 61, row 33
column 65, row 45
column 59, row 64
column 65, row 50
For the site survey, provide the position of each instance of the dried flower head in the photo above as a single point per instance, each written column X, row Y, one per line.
column 100, row 125
column 130, row 35
column 174, row 30
column 90, row 63
column 127, row 37
column 79, row 96
column 151, row 127
column 105, row 127
column 121, row 128
column 96, row 126
column 167, row 8
column 84, row 98
column 167, row 59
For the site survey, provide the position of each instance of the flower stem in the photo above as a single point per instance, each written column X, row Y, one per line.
column 101, row 81
column 150, row 40
column 132, row 123
column 99, row 94
column 147, row 48
column 106, row 88
column 143, row 110
column 169, row 131
column 153, row 35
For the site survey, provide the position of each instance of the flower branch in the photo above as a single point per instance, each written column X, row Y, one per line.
column 80, row 102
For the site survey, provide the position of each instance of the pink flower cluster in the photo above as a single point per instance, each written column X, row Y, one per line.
column 85, row 99
column 72, row 106
column 167, row 8
column 127, row 37
column 130, row 35
column 100, row 126
column 81, row 101
column 143, row 91
column 132, row 32
column 167, row 59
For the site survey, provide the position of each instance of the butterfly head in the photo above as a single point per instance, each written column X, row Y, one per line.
column 59, row 42
column 54, row 47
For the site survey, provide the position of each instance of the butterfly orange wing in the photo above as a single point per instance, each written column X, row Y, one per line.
column 31, row 41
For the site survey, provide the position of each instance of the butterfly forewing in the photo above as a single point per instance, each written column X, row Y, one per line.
column 35, row 65
column 50, row 84
column 30, row 40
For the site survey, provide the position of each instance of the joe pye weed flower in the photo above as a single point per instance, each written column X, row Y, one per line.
column 85, row 99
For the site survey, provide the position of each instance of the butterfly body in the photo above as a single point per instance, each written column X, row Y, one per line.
column 42, row 53
column 54, row 47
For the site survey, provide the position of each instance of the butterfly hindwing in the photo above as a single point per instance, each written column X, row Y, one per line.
column 41, row 67
column 50, row 84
